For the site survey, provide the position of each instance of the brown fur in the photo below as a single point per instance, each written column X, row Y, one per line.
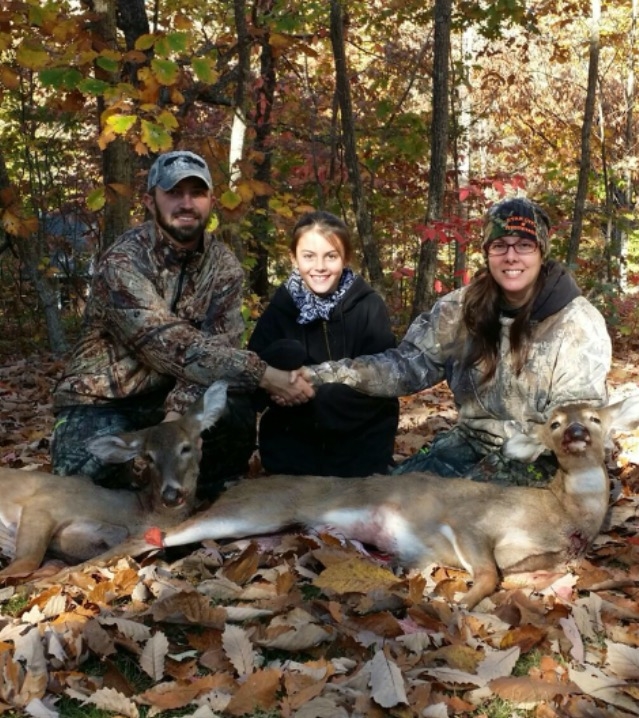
column 74, row 519
column 484, row 528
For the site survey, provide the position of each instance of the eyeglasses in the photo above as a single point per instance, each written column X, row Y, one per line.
column 521, row 246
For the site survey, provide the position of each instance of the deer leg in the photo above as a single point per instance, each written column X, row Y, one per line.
column 476, row 556
column 34, row 533
column 485, row 582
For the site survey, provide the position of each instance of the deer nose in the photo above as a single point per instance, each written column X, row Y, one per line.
column 577, row 432
column 172, row 496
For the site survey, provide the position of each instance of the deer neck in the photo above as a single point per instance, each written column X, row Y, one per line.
column 582, row 489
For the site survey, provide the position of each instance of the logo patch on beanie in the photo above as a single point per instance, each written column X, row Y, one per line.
column 520, row 226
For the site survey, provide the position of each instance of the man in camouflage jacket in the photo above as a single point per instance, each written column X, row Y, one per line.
column 163, row 322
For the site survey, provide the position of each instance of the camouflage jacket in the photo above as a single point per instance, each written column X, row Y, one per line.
column 568, row 361
column 160, row 320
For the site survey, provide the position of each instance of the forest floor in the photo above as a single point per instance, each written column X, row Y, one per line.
column 311, row 625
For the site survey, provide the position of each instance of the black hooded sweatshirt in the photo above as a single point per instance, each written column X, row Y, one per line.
column 341, row 432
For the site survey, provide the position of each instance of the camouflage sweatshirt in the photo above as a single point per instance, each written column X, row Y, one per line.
column 157, row 314
column 568, row 361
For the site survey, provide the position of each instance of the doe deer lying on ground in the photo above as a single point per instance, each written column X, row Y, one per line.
column 422, row 519
column 74, row 519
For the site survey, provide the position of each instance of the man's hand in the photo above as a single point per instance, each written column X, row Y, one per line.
column 286, row 388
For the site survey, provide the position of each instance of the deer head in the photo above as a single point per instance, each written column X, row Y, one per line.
column 576, row 432
column 172, row 449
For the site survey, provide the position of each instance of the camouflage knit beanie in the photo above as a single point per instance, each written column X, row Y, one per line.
column 519, row 217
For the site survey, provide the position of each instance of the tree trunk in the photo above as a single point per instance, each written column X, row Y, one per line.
column 261, row 239
column 30, row 251
column 427, row 266
column 461, row 121
column 620, row 229
column 238, row 129
column 363, row 219
column 586, row 129
column 118, row 158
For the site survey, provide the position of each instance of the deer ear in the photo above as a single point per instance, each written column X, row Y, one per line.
column 211, row 405
column 622, row 415
column 116, row 448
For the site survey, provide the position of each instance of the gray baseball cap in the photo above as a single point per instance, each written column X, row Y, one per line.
column 172, row 167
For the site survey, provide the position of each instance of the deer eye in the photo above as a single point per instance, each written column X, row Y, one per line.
column 595, row 419
column 185, row 449
column 555, row 425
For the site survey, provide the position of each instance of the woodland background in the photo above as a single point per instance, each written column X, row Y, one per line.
column 408, row 118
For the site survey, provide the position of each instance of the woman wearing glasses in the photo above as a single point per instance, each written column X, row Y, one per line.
column 516, row 342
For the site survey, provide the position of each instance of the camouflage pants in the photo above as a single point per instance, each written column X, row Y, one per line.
column 226, row 448
column 452, row 453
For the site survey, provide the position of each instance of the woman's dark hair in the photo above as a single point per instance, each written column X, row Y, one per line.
column 480, row 312
column 331, row 227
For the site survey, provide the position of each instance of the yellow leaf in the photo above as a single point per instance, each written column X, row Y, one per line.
column 177, row 98
column 32, row 55
column 355, row 575
column 279, row 41
column 245, row 191
column 280, row 207
column 155, row 137
column 261, row 188
column 96, row 199
column 165, row 71
column 168, row 120
column 145, row 42
column 230, row 200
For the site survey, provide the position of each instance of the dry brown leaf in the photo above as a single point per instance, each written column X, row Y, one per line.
column 172, row 695
column 238, row 649
column 525, row 637
column 295, row 638
column 326, row 706
column 459, row 655
column 386, row 681
column 188, row 607
column 258, row 692
column 243, row 568
column 133, row 630
column 98, row 640
column 623, row 661
column 153, row 656
column 354, row 575
column 527, row 692
column 109, row 700
column 597, row 684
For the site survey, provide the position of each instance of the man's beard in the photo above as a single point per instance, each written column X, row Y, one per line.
column 181, row 235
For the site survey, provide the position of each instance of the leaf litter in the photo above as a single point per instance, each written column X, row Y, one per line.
column 310, row 625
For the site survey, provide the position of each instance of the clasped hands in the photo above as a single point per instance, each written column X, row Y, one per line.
column 287, row 388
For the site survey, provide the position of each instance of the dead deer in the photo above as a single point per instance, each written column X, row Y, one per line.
column 75, row 519
column 480, row 527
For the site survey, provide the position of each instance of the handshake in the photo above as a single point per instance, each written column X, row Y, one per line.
column 288, row 388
